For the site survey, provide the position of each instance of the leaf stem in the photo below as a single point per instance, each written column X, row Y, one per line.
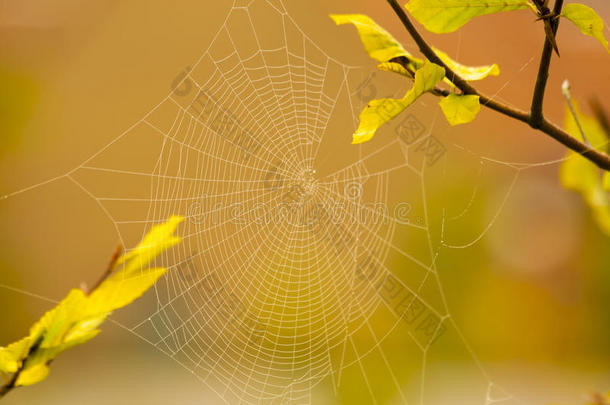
column 538, row 121
column 109, row 269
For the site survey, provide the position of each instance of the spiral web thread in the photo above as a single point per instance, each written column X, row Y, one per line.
column 287, row 278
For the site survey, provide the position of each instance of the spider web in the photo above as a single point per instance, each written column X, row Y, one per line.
column 300, row 266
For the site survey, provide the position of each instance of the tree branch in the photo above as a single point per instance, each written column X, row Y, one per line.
column 537, row 117
column 600, row 159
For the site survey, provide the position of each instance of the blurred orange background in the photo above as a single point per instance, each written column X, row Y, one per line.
column 526, row 271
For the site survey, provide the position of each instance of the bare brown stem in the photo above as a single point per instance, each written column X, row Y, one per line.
column 536, row 113
column 109, row 269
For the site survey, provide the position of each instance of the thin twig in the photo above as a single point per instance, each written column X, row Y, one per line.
column 109, row 269
column 565, row 88
column 600, row 159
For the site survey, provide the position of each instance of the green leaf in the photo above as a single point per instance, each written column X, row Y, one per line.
column 76, row 319
column 469, row 73
column 378, row 43
column 460, row 109
column 378, row 112
column 442, row 16
column 581, row 175
column 587, row 21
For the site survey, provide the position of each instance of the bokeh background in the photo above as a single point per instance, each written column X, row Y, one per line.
column 530, row 294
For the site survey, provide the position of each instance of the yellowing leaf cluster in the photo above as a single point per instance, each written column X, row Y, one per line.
column 383, row 47
column 75, row 320
column 378, row 112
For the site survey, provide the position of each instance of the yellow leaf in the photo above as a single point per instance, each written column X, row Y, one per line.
column 156, row 241
column 469, row 73
column 11, row 356
column 395, row 68
column 378, row 112
column 54, row 325
column 374, row 115
column 581, row 175
column 378, row 43
column 8, row 363
column 587, row 21
column 78, row 335
column 32, row 375
column 460, row 109
column 607, row 181
column 121, row 289
column 442, row 16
